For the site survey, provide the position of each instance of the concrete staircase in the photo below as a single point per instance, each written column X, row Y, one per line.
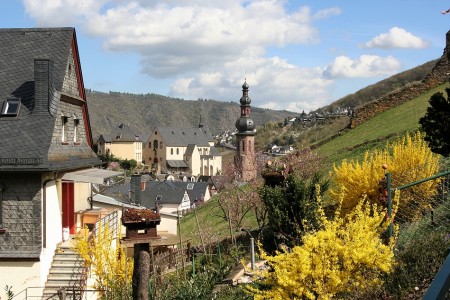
column 67, row 271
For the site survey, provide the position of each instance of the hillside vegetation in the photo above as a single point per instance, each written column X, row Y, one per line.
column 310, row 136
column 351, row 144
column 143, row 112
column 377, row 131
column 383, row 87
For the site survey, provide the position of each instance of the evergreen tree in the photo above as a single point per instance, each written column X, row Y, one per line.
column 436, row 123
column 291, row 209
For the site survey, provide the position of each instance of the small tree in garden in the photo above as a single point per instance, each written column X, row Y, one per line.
column 408, row 159
column 108, row 261
column 291, row 209
column 289, row 197
column 237, row 200
column 345, row 254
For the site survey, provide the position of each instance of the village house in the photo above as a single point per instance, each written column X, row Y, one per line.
column 182, row 150
column 171, row 198
column 121, row 142
column 47, row 164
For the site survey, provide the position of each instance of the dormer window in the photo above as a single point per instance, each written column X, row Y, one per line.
column 11, row 107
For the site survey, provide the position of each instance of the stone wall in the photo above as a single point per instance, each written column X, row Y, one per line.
column 439, row 75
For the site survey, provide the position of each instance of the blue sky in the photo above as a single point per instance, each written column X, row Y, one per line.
column 295, row 55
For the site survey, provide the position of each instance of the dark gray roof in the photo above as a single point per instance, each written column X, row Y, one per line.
column 167, row 191
column 123, row 133
column 214, row 152
column 190, row 150
column 26, row 140
column 177, row 163
column 182, row 137
column 171, row 192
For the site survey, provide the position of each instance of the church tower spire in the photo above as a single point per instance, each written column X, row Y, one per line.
column 245, row 139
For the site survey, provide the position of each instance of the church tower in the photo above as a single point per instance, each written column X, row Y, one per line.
column 245, row 139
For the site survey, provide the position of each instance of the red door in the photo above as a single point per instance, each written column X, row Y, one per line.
column 68, row 215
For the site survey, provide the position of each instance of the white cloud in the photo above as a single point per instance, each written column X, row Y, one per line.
column 61, row 12
column 326, row 13
column 396, row 38
column 365, row 66
column 175, row 37
column 274, row 83
column 206, row 48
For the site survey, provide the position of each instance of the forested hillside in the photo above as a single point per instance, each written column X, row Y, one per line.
column 143, row 112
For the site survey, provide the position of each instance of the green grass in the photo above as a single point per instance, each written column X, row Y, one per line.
column 211, row 223
column 377, row 131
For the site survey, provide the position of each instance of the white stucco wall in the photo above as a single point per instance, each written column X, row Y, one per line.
column 169, row 208
column 195, row 163
column 53, row 230
column 82, row 191
column 20, row 275
column 168, row 223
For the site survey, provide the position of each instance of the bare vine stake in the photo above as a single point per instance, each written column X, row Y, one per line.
column 201, row 235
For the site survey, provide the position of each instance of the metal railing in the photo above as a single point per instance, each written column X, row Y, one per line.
column 435, row 216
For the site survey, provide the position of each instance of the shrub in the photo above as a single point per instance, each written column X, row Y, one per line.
column 108, row 261
column 290, row 208
column 344, row 255
column 408, row 159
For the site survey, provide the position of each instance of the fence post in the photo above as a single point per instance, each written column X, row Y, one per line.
column 193, row 265
column 62, row 294
column 389, row 195
column 220, row 257
column 252, row 251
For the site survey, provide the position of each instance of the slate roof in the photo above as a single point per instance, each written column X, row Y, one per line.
column 26, row 140
column 177, row 163
column 169, row 192
column 123, row 133
column 172, row 192
column 181, row 137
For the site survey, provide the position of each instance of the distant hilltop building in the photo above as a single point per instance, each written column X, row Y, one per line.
column 245, row 139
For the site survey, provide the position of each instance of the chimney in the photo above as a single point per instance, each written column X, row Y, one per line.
column 46, row 97
column 136, row 189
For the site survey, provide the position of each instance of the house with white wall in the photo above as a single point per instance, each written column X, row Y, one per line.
column 47, row 163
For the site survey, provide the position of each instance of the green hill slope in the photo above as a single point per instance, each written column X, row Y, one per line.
column 376, row 131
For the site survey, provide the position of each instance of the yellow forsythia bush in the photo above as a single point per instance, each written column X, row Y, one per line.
column 107, row 260
column 345, row 255
column 408, row 159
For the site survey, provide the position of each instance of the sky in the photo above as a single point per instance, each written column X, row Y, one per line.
column 295, row 55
